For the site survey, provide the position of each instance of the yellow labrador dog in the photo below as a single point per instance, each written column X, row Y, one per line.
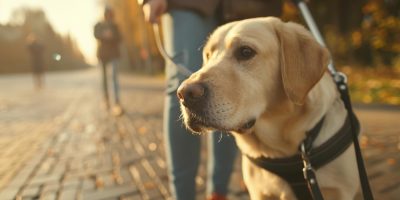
column 265, row 81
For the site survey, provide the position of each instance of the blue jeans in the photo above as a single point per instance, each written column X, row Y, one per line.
column 185, row 33
column 115, row 83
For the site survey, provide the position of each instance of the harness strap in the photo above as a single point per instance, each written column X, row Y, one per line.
column 291, row 168
column 308, row 170
column 312, row 135
column 318, row 156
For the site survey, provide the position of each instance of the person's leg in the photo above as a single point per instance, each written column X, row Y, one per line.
column 36, row 80
column 182, row 151
column 184, row 35
column 42, row 79
column 104, row 83
column 115, row 80
column 222, row 154
column 117, row 109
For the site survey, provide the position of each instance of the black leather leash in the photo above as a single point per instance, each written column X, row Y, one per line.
column 309, row 173
column 341, row 84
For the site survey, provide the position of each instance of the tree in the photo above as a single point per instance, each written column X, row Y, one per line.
column 138, row 36
column 13, row 48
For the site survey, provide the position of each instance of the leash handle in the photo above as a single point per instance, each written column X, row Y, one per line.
column 183, row 70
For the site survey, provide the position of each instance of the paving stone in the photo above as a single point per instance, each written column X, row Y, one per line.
column 51, row 187
column 9, row 192
column 126, row 175
column 68, row 193
column 30, row 192
column 108, row 179
column 42, row 179
column 88, row 184
column 131, row 197
column 111, row 192
column 48, row 196
column 71, row 183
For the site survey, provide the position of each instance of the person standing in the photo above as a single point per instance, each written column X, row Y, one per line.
column 109, row 38
column 186, row 26
column 36, row 51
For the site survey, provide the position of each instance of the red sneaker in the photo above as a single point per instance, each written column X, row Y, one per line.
column 215, row 196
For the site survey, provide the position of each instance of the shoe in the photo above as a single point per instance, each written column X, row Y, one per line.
column 215, row 196
column 117, row 110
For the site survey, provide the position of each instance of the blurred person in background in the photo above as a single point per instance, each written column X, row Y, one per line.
column 186, row 26
column 36, row 51
column 109, row 38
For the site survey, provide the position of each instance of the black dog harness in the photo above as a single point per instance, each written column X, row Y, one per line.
column 298, row 170
column 291, row 168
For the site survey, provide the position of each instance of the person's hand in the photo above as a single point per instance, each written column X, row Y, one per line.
column 153, row 9
column 107, row 34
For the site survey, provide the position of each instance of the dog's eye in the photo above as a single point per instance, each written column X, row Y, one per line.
column 244, row 53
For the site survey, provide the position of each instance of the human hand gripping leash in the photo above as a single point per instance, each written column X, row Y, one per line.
column 181, row 69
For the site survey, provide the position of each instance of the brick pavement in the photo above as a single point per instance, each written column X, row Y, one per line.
column 59, row 143
column 381, row 149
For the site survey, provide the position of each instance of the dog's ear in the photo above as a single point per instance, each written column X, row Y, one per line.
column 303, row 60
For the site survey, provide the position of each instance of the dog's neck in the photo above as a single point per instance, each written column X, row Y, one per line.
column 279, row 131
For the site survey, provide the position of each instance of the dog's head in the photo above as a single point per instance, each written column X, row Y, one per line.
column 251, row 67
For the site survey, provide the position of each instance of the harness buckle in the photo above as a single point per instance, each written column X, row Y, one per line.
column 340, row 77
column 309, row 174
column 307, row 169
column 341, row 80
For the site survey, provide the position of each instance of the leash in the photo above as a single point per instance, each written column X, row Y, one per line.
column 181, row 69
column 341, row 83
column 341, row 80
column 308, row 169
column 157, row 36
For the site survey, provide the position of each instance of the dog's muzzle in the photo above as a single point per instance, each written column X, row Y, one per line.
column 193, row 96
column 195, row 99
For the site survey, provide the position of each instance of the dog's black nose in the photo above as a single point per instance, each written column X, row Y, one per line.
column 192, row 94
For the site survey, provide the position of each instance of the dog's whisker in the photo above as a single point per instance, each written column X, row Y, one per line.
column 220, row 137
column 180, row 118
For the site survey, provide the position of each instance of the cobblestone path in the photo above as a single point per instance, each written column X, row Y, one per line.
column 60, row 143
